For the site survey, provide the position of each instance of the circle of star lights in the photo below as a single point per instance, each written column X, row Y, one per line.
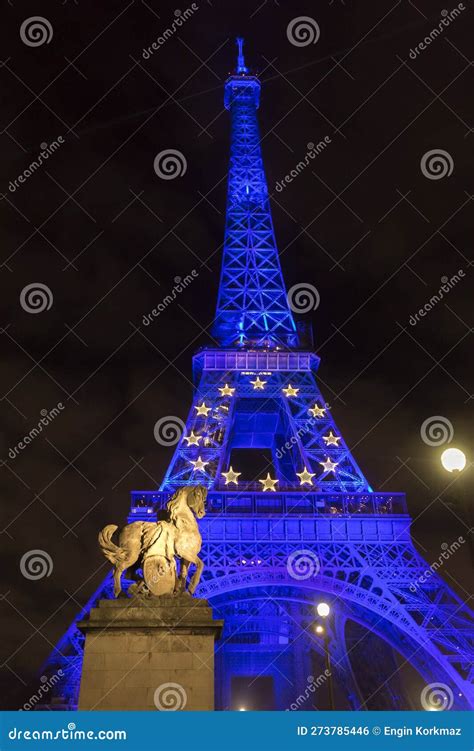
column 290, row 391
column 198, row 464
column 258, row 385
column 328, row 465
column 226, row 390
column 231, row 476
column 202, row 409
column 306, row 478
column 317, row 411
column 268, row 483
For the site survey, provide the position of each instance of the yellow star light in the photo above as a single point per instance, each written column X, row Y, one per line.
column 328, row 465
column 306, row 478
column 198, row 465
column 258, row 385
column 290, row 390
column 331, row 439
column 231, row 476
column 202, row 409
column 226, row 390
column 192, row 439
column 268, row 483
column 317, row 411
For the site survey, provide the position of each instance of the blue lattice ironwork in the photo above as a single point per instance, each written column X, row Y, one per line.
column 259, row 392
column 252, row 307
column 262, row 400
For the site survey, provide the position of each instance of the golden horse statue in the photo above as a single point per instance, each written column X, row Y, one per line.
column 154, row 546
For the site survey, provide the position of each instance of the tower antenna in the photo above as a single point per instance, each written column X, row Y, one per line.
column 241, row 67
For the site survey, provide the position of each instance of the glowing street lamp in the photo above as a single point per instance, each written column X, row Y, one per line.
column 453, row 460
column 323, row 609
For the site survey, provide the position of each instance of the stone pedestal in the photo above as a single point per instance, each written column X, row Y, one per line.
column 149, row 654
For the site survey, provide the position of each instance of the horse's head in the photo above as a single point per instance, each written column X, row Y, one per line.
column 197, row 500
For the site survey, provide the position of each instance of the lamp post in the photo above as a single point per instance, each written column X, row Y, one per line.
column 324, row 610
column 453, row 460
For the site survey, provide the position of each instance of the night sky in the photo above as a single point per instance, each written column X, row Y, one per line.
column 364, row 224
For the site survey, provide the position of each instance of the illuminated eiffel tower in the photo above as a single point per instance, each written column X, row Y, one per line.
column 291, row 519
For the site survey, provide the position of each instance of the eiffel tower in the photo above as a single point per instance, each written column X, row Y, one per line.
column 291, row 520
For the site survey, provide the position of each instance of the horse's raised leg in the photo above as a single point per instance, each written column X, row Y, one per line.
column 196, row 576
column 183, row 575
